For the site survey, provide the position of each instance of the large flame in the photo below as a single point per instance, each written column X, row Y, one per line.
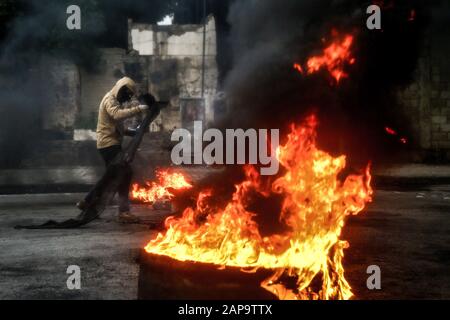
column 160, row 189
column 314, row 209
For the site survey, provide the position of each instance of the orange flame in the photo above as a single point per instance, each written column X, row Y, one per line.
column 160, row 190
column 334, row 58
column 298, row 67
column 315, row 206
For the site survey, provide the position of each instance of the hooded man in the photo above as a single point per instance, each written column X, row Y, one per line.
column 110, row 133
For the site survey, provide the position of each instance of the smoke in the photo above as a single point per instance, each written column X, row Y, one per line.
column 264, row 91
column 19, row 114
column 35, row 41
column 40, row 28
column 268, row 37
column 38, row 37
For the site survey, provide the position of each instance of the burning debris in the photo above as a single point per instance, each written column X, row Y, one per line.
column 314, row 207
column 160, row 190
column 334, row 58
column 305, row 258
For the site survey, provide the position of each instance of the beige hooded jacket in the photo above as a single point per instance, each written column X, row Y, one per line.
column 111, row 115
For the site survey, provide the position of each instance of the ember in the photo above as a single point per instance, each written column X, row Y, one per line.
column 412, row 15
column 393, row 132
column 298, row 67
column 314, row 209
column 390, row 131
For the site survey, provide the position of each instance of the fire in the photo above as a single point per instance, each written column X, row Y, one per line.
column 333, row 58
column 393, row 132
column 160, row 190
column 315, row 206
column 298, row 67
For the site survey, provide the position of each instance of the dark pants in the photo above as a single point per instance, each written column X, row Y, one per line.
column 108, row 154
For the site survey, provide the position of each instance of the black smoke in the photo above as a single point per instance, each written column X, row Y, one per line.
column 264, row 90
column 31, row 31
column 34, row 37
column 34, row 33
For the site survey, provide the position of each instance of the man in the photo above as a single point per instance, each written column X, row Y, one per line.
column 110, row 133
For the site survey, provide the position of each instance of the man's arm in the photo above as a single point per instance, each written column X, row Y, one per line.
column 117, row 113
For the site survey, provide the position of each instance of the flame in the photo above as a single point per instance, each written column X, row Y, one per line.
column 298, row 67
column 160, row 190
column 333, row 58
column 315, row 206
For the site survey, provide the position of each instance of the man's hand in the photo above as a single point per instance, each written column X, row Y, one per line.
column 143, row 107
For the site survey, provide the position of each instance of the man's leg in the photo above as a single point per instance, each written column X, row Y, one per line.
column 124, row 202
column 124, row 189
column 108, row 154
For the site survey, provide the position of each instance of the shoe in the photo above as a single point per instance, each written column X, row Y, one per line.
column 127, row 217
column 81, row 205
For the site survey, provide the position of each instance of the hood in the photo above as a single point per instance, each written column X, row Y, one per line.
column 125, row 81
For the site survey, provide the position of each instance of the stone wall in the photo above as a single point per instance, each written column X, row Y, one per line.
column 65, row 97
column 60, row 89
column 172, row 40
column 426, row 102
column 164, row 60
column 175, row 65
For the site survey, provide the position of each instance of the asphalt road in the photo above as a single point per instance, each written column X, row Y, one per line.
column 405, row 231
column 407, row 234
column 33, row 263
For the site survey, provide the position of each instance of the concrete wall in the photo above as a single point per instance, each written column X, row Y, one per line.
column 61, row 92
column 426, row 102
column 175, row 65
column 173, row 40
column 165, row 60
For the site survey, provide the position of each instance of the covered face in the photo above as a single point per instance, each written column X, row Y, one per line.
column 124, row 89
